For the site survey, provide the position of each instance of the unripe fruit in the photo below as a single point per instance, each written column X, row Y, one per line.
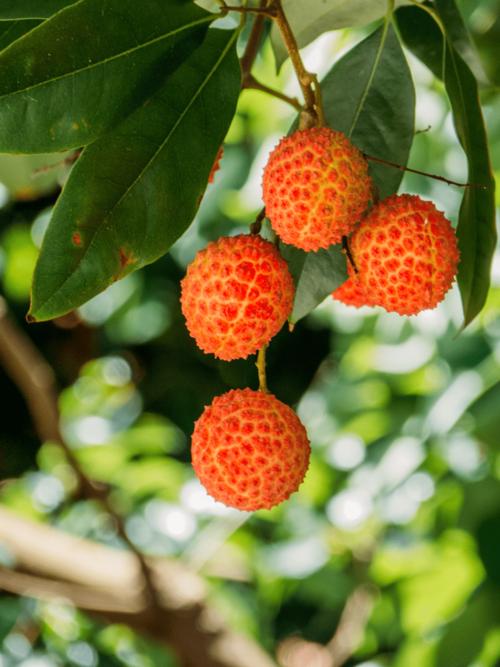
column 249, row 450
column 406, row 254
column 315, row 188
column 237, row 294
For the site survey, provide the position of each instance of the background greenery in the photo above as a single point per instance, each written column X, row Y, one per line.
column 402, row 499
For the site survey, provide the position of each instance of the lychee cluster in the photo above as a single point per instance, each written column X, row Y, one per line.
column 249, row 450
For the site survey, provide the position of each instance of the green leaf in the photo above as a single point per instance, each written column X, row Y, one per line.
column 316, row 275
column 464, row 636
column 487, row 417
column 12, row 30
column 476, row 226
column 31, row 9
column 86, row 68
column 311, row 19
column 458, row 34
column 133, row 193
column 369, row 95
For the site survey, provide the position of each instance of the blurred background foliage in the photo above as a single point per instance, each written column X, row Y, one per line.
column 402, row 498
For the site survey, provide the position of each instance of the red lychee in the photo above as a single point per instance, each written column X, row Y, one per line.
column 249, row 450
column 406, row 254
column 315, row 188
column 237, row 294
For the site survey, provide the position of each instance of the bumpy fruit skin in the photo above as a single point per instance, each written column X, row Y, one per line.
column 351, row 293
column 406, row 254
column 315, row 188
column 249, row 450
column 236, row 295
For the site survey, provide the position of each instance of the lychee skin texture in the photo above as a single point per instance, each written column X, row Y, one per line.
column 406, row 254
column 351, row 293
column 315, row 188
column 249, row 450
column 236, row 295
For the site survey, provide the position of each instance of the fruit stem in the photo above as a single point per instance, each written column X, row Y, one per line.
column 422, row 173
column 250, row 82
column 347, row 250
column 312, row 114
column 256, row 225
column 261, row 369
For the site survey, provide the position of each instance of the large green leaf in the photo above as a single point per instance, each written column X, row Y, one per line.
column 316, row 275
column 31, row 9
column 487, row 417
column 369, row 96
column 12, row 30
column 87, row 67
column 312, row 18
column 476, row 227
column 133, row 192
column 463, row 638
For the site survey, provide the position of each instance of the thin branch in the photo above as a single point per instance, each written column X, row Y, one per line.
column 253, row 43
column 351, row 626
column 313, row 113
column 347, row 250
column 261, row 369
column 401, row 167
column 256, row 225
column 250, row 82
column 310, row 115
column 36, row 381
column 106, row 582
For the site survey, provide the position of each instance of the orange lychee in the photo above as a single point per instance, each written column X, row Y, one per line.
column 351, row 293
column 249, row 450
column 315, row 188
column 406, row 254
column 236, row 295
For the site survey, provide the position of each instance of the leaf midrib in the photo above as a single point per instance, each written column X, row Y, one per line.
column 378, row 55
column 99, row 227
column 105, row 61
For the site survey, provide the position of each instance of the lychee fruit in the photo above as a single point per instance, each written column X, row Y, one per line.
column 406, row 254
column 249, row 450
column 315, row 188
column 236, row 295
column 216, row 165
column 351, row 293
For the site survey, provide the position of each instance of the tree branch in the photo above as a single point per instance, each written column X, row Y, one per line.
column 36, row 381
column 107, row 583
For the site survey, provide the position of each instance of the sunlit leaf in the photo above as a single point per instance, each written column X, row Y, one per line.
column 87, row 67
column 311, row 19
column 31, row 9
column 476, row 227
